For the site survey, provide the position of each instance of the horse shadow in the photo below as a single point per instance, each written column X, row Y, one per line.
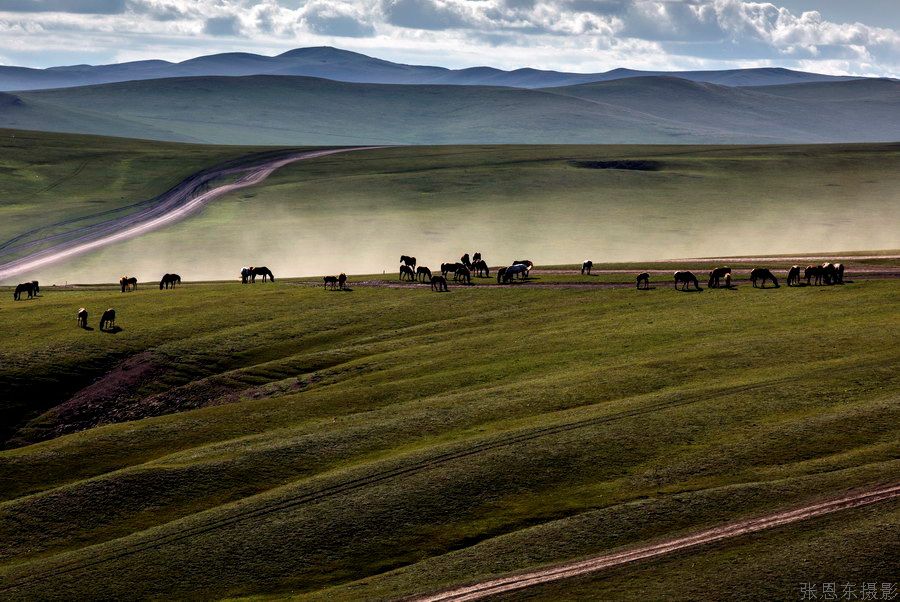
column 690, row 290
column 649, row 288
column 87, row 328
column 346, row 289
column 113, row 330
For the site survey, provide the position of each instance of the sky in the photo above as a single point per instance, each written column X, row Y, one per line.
column 857, row 37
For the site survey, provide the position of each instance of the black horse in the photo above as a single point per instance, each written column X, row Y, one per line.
column 829, row 273
column 342, row 281
column 838, row 273
column 406, row 273
column 262, row 271
column 128, row 284
column 645, row 278
column 466, row 261
column 407, row 260
column 793, row 277
column 439, row 283
column 451, row 266
column 81, row 317
column 813, row 272
column 332, row 280
column 169, row 279
column 716, row 275
column 586, row 267
column 26, row 287
column 424, row 272
column 463, row 275
column 108, row 319
column 761, row 275
column 481, row 268
column 686, row 277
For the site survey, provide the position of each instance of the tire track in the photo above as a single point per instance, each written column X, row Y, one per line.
column 727, row 531
column 175, row 204
column 373, row 479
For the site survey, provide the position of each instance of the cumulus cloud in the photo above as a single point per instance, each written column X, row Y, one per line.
column 583, row 35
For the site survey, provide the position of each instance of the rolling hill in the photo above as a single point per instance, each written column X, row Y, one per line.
column 343, row 65
column 301, row 110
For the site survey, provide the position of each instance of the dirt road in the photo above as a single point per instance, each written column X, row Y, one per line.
column 753, row 525
column 186, row 197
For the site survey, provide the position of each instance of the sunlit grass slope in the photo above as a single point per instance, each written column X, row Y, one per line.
column 383, row 442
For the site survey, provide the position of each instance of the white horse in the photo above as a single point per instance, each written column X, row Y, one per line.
column 520, row 268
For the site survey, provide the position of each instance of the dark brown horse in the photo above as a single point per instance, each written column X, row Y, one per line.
column 793, row 277
column 406, row 273
column 838, row 273
column 424, row 272
column 686, row 277
column 108, row 319
column 448, row 267
column 476, row 257
column 501, row 274
column 81, row 318
column 645, row 278
column 342, row 281
column 813, row 272
column 169, row 279
column 128, row 284
column 829, row 273
column 716, row 275
column 466, row 261
column 261, row 271
column 463, row 274
column 439, row 284
column 26, row 287
column 332, row 280
column 586, row 267
column 481, row 268
column 761, row 275
column 407, row 260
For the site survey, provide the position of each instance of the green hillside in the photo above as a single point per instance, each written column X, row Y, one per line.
column 289, row 110
column 283, row 440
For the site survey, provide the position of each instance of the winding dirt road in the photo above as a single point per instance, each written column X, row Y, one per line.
column 753, row 525
column 188, row 196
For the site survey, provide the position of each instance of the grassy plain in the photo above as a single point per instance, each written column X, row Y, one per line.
column 383, row 442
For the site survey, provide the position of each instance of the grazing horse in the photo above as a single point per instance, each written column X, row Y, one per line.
column 424, row 272
column 25, row 287
column 645, row 278
column 332, row 280
column 829, row 273
column 481, row 268
column 463, row 274
column 838, row 273
column 685, row 277
column 813, row 272
column 81, row 318
column 407, row 260
column 407, row 271
column 245, row 274
column 466, row 261
column 37, row 288
column 263, row 271
column 446, row 268
column 476, row 257
column 169, row 279
column 342, row 281
column 793, row 277
column 519, row 268
column 526, row 262
column 439, row 283
column 586, row 267
column 108, row 319
column 728, row 280
column 128, row 284
column 716, row 275
column 501, row 273
column 761, row 275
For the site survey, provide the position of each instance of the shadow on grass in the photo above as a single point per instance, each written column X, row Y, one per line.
column 113, row 330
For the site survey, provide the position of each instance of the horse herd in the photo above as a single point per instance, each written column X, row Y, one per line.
column 462, row 271
column 827, row 273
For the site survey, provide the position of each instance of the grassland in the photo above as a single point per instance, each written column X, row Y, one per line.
column 56, row 182
column 358, row 212
column 279, row 440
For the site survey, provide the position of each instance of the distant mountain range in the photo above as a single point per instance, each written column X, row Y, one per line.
column 291, row 110
column 342, row 65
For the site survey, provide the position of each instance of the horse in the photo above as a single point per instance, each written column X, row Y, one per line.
column 793, row 277
column 645, row 278
column 685, row 277
column 439, row 283
column 25, row 287
column 463, row 275
column 37, row 288
column 481, row 268
column 715, row 275
column 424, row 272
column 838, row 273
column 813, row 272
column 342, row 281
column 407, row 260
column 169, row 279
column 446, row 268
column 332, row 280
column 519, row 268
column 476, row 257
column 526, row 262
column 81, row 318
column 407, row 271
column 501, row 273
column 829, row 273
column 586, row 267
column 761, row 275
column 245, row 274
column 128, row 284
column 108, row 319
column 263, row 271
column 728, row 280
column 466, row 261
